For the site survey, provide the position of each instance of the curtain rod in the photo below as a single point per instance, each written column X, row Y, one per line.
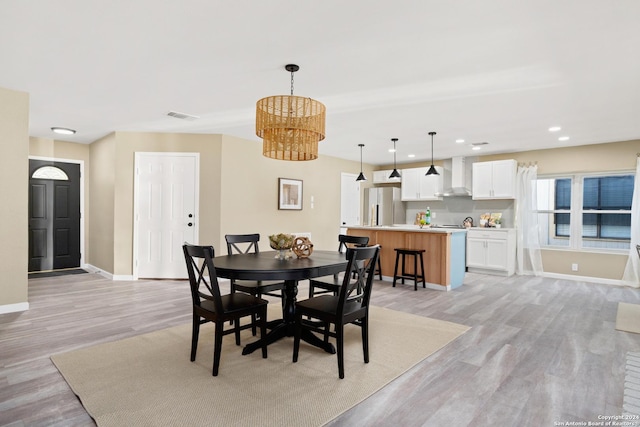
column 535, row 163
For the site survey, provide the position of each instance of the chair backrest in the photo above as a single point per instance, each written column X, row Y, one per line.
column 242, row 243
column 358, row 278
column 199, row 260
column 347, row 241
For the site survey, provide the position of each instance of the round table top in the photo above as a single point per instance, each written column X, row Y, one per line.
column 266, row 266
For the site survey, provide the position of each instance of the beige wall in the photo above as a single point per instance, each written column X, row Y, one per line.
column 126, row 145
column 249, row 198
column 102, row 209
column 14, row 143
column 237, row 195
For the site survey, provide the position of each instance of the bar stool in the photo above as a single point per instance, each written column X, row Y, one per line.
column 415, row 253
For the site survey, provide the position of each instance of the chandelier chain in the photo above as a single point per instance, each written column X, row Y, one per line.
column 291, row 83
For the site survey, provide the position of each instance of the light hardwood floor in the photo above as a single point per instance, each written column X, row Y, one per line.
column 540, row 351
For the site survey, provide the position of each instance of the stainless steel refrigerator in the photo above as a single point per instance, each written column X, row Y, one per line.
column 384, row 207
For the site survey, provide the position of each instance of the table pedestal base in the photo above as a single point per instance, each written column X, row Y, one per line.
column 281, row 331
column 286, row 327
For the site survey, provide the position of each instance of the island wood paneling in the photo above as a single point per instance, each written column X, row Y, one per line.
column 436, row 258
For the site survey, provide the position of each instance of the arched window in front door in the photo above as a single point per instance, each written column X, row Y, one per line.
column 50, row 172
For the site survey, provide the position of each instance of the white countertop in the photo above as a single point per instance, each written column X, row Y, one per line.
column 409, row 227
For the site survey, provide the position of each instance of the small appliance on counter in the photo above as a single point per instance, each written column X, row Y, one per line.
column 468, row 222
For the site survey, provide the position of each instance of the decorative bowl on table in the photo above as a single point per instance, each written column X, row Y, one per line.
column 282, row 243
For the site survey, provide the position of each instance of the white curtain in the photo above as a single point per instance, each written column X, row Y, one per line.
column 528, row 257
column 631, row 276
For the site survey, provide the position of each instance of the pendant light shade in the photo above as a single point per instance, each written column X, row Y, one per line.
column 432, row 170
column 290, row 126
column 395, row 173
column 361, row 177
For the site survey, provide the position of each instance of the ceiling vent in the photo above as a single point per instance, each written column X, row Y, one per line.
column 182, row 116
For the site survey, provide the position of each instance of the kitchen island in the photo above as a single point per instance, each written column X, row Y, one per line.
column 444, row 259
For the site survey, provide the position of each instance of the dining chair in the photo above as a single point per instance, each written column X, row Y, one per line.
column 210, row 306
column 351, row 306
column 248, row 243
column 331, row 284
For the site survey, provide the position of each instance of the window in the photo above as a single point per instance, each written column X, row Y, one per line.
column 586, row 211
column 50, row 172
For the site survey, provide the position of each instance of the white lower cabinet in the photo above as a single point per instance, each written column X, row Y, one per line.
column 491, row 251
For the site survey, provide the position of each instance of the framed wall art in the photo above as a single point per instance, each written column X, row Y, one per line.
column 289, row 194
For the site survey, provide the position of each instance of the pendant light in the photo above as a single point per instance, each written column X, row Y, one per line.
column 361, row 177
column 432, row 170
column 395, row 173
column 290, row 126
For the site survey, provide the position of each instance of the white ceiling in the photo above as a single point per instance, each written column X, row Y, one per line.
column 499, row 71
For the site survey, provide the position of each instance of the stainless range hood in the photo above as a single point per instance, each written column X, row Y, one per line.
column 457, row 177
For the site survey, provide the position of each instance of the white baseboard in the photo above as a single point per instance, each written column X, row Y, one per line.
column 583, row 279
column 428, row 285
column 106, row 274
column 12, row 308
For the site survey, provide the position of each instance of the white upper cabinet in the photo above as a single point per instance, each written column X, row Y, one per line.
column 382, row 177
column 416, row 186
column 494, row 180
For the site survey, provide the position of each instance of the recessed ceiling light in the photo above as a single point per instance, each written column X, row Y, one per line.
column 411, row 155
column 554, row 128
column 459, row 141
column 63, row 131
column 476, row 147
column 563, row 138
column 391, row 150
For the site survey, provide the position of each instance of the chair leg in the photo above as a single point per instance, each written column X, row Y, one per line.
column 236, row 329
column 195, row 332
column 263, row 331
column 232, row 290
column 364, row 323
column 415, row 273
column 311, row 289
column 379, row 269
column 296, row 337
column 217, row 347
column 340, row 349
column 327, row 326
column 424, row 285
column 395, row 269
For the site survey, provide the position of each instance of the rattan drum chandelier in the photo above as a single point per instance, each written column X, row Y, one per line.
column 290, row 126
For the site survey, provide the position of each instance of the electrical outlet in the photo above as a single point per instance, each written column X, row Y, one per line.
column 433, row 215
column 574, row 267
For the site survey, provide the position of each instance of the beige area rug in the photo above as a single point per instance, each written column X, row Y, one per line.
column 148, row 380
column 628, row 318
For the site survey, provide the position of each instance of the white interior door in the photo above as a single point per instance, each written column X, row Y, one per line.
column 166, row 212
column 349, row 200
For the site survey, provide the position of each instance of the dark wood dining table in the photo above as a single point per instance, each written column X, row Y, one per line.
column 266, row 266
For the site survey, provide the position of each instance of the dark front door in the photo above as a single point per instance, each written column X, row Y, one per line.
column 54, row 215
